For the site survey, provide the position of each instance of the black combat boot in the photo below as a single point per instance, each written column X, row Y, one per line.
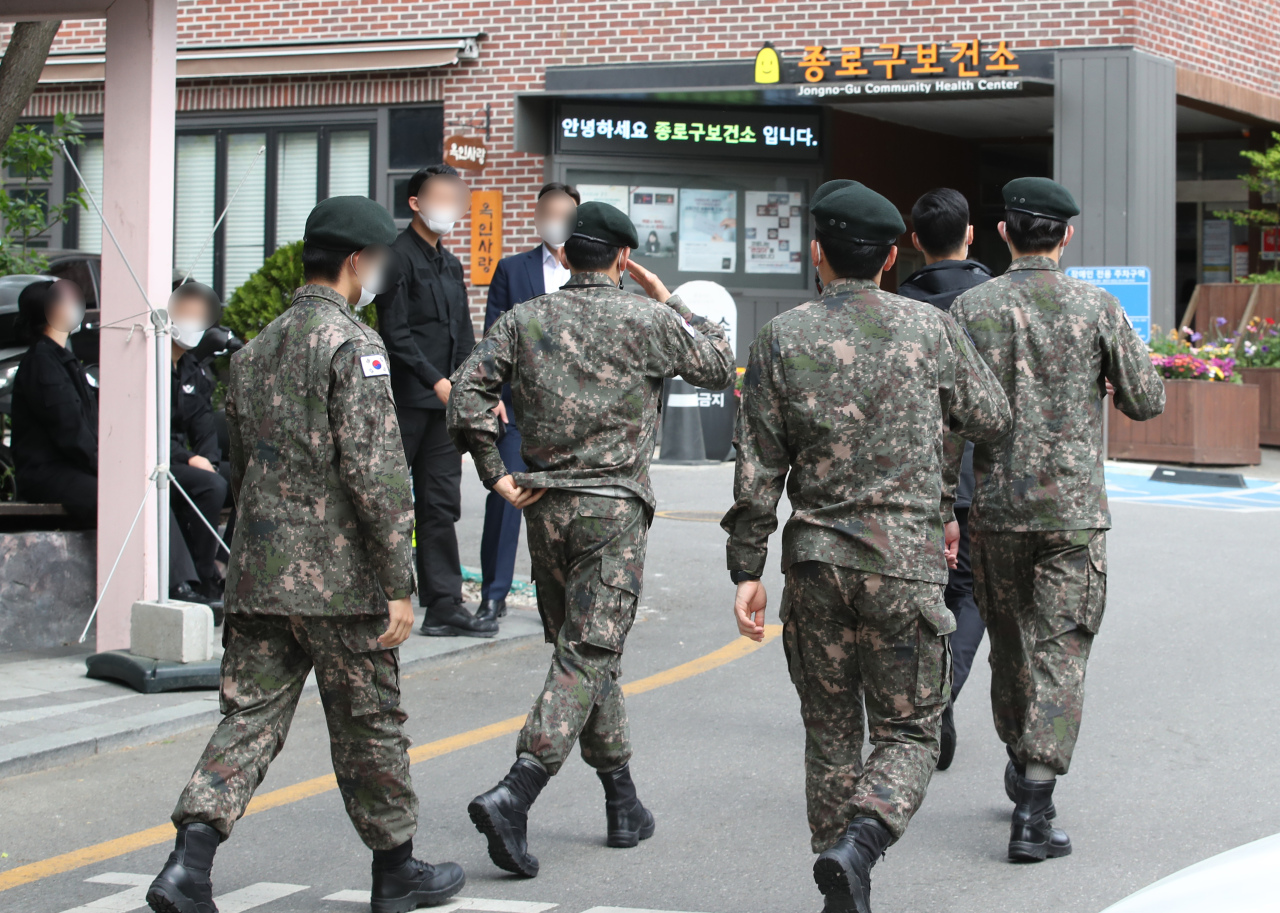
column 843, row 873
column 629, row 821
column 185, row 884
column 402, row 883
column 1031, row 836
column 452, row 619
column 947, row 737
column 1012, row 771
column 502, row 815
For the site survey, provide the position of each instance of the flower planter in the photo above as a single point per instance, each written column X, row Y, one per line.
column 1268, row 381
column 1204, row 422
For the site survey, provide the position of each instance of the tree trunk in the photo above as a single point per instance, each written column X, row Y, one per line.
column 20, row 70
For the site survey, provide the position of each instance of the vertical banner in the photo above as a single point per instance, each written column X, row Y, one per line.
column 486, row 234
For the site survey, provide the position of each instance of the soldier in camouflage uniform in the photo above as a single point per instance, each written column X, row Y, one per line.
column 845, row 401
column 1039, row 510
column 586, row 366
column 320, row 573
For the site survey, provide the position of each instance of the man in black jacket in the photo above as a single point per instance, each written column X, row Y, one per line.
column 425, row 322
column 941, row 231
column 194, row 453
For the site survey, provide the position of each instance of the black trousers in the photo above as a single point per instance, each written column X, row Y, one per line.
column 436, row 467
column 77, row 491
column 959, row 599
column 209, row 491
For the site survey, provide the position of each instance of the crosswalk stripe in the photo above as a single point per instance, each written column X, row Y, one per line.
column 459, row 903
column 626, row 910
column 255, row 895
column 125, row 878
column 135, row 898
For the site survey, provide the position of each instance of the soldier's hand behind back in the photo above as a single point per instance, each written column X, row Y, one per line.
column 951, row 538
column 400, row 626
column 748, row 608
column 651, row 284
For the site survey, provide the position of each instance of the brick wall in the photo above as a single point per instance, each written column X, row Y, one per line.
column 1232, row 39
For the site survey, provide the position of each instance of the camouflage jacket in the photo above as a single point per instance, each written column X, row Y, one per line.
column 317, row 468
column 586, row 366
column 1051, row 341
column 846, row 398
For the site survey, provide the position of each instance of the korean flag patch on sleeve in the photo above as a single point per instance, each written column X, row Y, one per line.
column 374, row 366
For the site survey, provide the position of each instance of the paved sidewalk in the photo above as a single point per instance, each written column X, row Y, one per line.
column 51, row 713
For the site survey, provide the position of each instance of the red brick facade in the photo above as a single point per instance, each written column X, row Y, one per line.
column 1231, row 39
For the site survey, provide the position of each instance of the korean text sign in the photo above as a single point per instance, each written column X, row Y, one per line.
column 1131, row 286
column 710, row 133
column 486, row 234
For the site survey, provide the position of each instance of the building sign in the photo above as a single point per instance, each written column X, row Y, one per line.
column 955, row 60
column 1131, row 285
column 711, row 133
column 486, row 234
column 464, row 152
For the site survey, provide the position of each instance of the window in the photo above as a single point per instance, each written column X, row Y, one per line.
column 266, row 197
column 416, row 139
column 90, row 228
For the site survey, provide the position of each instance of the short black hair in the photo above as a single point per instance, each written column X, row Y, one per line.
column 940, row 219
column 33, row 303
column 852, row 259
column 1033, row 234
column 555, row 186
column 322, row 262
column 589, row 254
column 415, row 183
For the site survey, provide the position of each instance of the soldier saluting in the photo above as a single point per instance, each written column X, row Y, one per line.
column 1039, row 516
column 845, row 400
column 320, row 574
column 585, row 365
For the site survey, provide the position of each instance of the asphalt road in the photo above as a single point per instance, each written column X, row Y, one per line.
column 1176, row 759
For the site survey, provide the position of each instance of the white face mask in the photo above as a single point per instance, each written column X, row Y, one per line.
column 439, row 223
column 188, row 333
column 554, row 233
column 372, row 281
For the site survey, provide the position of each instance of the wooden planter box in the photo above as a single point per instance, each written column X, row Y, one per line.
column 1268, row 381
column 1204, row 422
column 1231, row 301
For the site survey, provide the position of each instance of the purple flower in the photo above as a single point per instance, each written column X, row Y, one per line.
column 1266, row 348
column 1221, row 321
column 1196, row 337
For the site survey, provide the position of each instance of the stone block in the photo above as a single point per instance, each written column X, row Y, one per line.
column 47, row 587
column 180, row 632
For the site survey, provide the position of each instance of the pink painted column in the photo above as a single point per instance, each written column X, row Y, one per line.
column 137, row 190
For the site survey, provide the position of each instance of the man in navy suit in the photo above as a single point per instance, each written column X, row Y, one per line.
column 519, row 278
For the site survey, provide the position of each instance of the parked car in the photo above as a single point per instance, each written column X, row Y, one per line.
column 1243, row 880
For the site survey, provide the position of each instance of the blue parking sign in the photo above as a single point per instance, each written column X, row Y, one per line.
column 1130, row 284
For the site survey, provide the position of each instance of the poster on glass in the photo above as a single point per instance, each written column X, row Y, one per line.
column 614, row 194
column 708, row 240
column 773, row 221
column 654, row 214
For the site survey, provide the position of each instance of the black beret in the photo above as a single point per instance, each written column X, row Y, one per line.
column 607, row 224
column 828, row 187
column 1040, row 197
column 856, row 213
column 349, row 223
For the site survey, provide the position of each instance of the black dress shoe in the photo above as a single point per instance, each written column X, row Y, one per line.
column 184, row 592
column 502, row 815
column 843, row 873
column 1031, row 836
column 491, row 609
column 453, row 620
column 629, row 822
column 185, row 884
column 1012, row 771
column 947, row 738
column 415, row 884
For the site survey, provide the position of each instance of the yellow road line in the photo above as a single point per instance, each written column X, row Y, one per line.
column 109, row 849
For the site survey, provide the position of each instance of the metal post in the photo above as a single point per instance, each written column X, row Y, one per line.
column 164, row 357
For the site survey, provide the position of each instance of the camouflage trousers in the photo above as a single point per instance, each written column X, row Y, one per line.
column 587, row 553
column 1041, row 595
column 854, row 638
column 267, row 660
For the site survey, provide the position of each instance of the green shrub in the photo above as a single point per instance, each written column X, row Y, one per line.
column 1270, row 277
column 266, row 294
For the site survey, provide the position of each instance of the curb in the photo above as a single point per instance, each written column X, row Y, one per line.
column 44, row 752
